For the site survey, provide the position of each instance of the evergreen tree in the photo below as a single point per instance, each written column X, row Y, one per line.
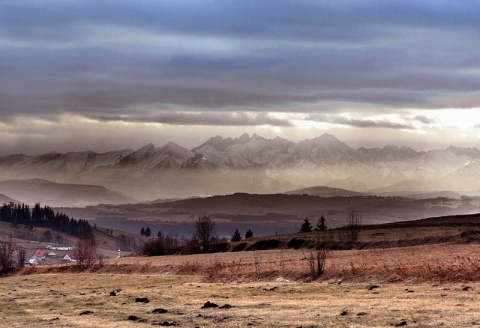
column 306, row 226
column 248, row 234
column 159, row 234
column 321, row 226
column 236, row 236
column 142, row 232
column 148, row 232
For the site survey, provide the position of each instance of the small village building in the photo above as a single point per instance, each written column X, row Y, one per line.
column 39, row 255
column 60, row 247
column 52, row 255
column 70, row 257
column 32, row 262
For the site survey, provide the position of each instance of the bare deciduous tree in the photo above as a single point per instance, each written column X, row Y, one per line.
column 86, row 250
column 204, row 230
column 7, row 247
column 21, row 256
column 316, row 260
column 354, row 221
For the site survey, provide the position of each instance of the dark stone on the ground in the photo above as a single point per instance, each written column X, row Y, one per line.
column 362, row 314
column 208, row 304
column 86, row 312
column 401, row 323
column 135, row 318
column 372, row 287
column 159, row 310
column 142, row 300
column 226, row 306
column 409, row 290
column 345, row 312
column 467, row 288
column 166, row 324
column 112, row 293
column 270, row 289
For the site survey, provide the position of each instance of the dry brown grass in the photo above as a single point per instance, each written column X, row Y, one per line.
column 444, row 262
column 427, row 263
column 38, row 300
column 422, row 284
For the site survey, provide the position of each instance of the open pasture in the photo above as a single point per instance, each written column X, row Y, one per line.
column 84, row 300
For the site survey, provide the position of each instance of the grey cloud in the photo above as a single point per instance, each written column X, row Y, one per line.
column 359, row 123
column 202, row 118
column 76, row 57
column 424, row 119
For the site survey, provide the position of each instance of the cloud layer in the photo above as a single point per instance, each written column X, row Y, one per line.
column 233, row 63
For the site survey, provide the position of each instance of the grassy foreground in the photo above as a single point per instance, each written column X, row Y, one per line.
column 46, row 300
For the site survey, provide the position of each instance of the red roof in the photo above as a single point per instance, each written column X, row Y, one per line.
column 39, row 253
column 71, row 255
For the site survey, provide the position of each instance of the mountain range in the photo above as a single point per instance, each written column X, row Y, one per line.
column 254, row 164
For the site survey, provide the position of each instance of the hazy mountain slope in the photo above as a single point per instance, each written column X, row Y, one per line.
column 5, row 200
column 254, row 164
column 322, row 191
column 56, row 194
column 423, row 195
column 149, row 157
column 59, row 167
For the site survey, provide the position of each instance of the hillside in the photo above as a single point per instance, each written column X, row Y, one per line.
column 322, row 191
column 5, row 199
column 60, row 194
column 108, row 240
column 269, row 214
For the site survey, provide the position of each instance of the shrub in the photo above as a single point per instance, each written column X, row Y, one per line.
column 266, row 244
column 240, row 247
column 296, row 243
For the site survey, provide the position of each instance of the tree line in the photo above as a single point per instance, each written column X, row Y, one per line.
column 45, row 217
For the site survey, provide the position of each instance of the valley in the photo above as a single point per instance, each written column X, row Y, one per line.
column 269, row 214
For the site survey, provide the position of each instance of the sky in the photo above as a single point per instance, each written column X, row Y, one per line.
column 105, row 75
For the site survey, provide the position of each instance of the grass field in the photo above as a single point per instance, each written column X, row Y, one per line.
column 429, row 284
column 59, row 299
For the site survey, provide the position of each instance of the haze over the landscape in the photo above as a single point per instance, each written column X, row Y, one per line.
column 101, row 76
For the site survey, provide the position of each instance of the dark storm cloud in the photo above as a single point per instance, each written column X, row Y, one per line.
column 107, row 59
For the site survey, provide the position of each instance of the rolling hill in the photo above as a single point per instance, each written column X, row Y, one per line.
column 322, row 191
column 5, row 200
column 59, row 194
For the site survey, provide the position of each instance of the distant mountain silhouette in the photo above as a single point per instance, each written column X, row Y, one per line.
column 255, row 164
column 322, row 191
column 58, row 194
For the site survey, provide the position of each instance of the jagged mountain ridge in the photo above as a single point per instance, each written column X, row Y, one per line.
column 253, row 164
